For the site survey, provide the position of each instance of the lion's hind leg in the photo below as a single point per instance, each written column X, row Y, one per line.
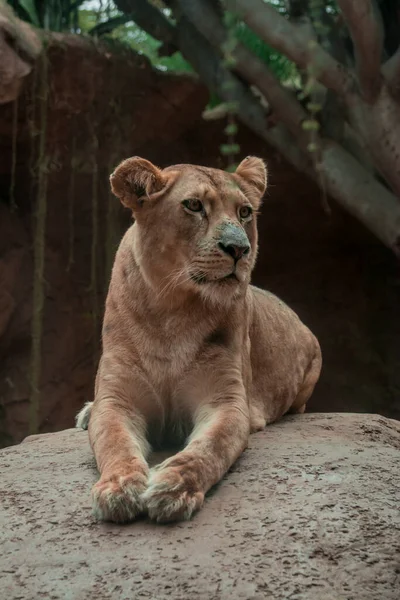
column 293, row 410
column 310, row 380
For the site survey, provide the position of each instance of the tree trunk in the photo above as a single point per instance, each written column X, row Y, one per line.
column 378, row 125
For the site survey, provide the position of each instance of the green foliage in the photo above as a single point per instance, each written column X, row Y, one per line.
column 56, row 15
column 134, row 37
column 137, row 39
column 231, row 129
column 82, row 17
column 29, row 6
column 213, row 101
column 229, row 149
column 281, row 66
column 79, row 16
column 87, row 19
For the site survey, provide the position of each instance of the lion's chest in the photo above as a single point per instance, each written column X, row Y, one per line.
column 168, row 358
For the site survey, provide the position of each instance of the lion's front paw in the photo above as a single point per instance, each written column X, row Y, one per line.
column 119, row 498
column 171, row 496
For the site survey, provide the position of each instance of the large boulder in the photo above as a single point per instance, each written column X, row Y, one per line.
column 310, row 511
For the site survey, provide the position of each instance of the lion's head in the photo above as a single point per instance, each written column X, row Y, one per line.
column 195, row 227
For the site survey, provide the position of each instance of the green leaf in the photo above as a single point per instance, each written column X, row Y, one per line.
column 310, row 125
column 232, row 107
column 314, row 107
column 281, row 66
column 227, row 149
column 29, row 7
column 231, row 129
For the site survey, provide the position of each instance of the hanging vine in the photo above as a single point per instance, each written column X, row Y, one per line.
column 71, row 200
column 39, row 251
column 231, row 148
column 33, row 135
column 95, row 234
column 314, row 106
column 13, row 205
column 116, row 137
column 111, row 233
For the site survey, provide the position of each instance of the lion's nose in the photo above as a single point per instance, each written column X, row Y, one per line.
column 233, row 240
column 234, row 250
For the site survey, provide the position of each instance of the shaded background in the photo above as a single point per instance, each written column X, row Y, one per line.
column 101, row 105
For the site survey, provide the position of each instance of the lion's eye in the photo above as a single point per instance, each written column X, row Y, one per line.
column 193, row 204
column 245, row 212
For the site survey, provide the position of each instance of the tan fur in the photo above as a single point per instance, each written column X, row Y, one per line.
column 188, row 354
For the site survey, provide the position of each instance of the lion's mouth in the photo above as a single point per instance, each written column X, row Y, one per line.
column 198, row 278
column 231, row 276
column 201, row 278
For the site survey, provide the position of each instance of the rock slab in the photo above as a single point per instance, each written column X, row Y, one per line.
column 309, row 512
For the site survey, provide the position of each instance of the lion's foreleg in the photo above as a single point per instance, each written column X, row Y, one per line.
column 117, row 433
column 178, row 485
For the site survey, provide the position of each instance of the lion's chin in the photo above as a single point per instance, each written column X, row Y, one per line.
column 222, row 291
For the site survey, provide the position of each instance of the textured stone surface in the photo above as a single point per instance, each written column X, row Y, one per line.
column 310, row 511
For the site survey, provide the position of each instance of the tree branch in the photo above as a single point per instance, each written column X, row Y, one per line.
column 197, row 50
column 296, row 42
column 151, row 20
column 76, row 5
column 221, row 81
column 200, row 54
column 343, row 177
column 350, row 184
column 361, row 194
column 109, row 26
column 391, row 72
column 367, row 35
column 283, row 102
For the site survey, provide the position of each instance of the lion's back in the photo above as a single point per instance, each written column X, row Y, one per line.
column 282, row 348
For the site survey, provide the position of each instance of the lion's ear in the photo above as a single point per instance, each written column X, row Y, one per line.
column 136, row 179
column 254, row 171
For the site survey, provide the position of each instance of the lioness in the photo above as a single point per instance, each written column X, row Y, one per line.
column 190, row 349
